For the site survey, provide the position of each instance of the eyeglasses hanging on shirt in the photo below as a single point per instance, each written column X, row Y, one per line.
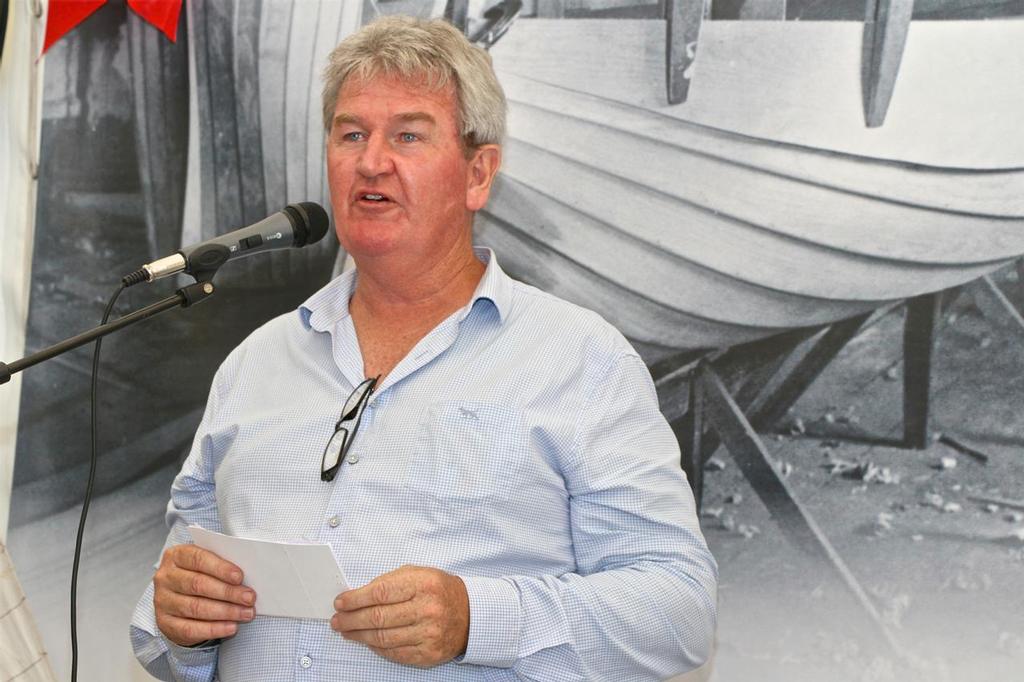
column 346, row 428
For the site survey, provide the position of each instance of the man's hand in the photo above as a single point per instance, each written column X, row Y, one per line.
column 199, row 596
column 413, row 615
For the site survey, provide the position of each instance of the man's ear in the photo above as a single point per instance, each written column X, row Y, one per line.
column 483, row 166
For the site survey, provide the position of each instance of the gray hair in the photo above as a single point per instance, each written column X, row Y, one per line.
column 433, row 52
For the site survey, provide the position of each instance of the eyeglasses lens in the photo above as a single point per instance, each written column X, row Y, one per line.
column 352, row 404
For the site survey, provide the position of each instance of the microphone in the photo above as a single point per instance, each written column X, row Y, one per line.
column 295, row 226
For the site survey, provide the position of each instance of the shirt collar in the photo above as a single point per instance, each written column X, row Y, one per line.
column 495, row 286
column 329, row 305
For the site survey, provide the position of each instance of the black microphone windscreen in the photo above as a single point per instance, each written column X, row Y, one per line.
column 312, row 219
column 318, row 220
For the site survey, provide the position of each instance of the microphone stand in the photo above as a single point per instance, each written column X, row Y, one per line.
column 182, row 298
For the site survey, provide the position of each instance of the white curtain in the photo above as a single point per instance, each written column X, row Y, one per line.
column 20, row 91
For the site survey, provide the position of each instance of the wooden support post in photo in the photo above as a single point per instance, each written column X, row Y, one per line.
column 750, row 367
column 456, row 13
column 1002, row 302
column 746, row 448
column 690, row 436
column 918, row 349
column 1020, row 277
column 796, row 524
column 990, row 300
column 885, row 36
column 770, row 408
column 683, row 19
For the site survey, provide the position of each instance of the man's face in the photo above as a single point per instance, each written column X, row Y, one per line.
column 400, row 179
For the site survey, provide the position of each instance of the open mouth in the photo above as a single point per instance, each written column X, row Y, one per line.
column 374, row 198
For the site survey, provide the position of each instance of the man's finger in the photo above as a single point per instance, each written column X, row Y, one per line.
column 200, row 608
column 194, row 558
column 390, row 588
column 377, row 617
column 390, row 638
column 203, row 585
column 406, row 655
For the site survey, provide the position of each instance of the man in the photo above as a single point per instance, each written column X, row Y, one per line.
column 500, row 485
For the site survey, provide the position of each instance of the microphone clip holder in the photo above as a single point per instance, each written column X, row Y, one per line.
column 204, row 261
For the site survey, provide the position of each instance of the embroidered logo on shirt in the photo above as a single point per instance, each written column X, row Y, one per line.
column 468, row 414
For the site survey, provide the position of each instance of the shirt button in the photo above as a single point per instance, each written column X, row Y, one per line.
column 333, row 521
column 352, row 459
column 306, row 662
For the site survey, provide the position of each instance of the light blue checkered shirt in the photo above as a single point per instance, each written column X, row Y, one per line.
column 519, row 445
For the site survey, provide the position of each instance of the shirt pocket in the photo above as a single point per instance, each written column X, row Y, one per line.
column 468, row 451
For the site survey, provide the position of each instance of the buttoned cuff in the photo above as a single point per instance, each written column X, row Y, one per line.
column 495, row 622
column 201, row 655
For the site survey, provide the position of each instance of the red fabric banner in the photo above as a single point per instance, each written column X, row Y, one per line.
column 64, row 15
column 161, row 13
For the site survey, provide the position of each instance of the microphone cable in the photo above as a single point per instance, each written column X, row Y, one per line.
column 88, row 487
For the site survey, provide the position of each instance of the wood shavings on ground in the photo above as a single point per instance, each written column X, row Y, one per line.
column 714, row 464
column 883, row 523
column 862, row 471
column 748, row 530
column 838, row 466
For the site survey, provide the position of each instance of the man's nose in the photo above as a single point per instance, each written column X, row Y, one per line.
column 375, row 158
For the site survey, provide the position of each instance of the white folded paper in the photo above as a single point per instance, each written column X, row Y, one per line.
column 290, row 579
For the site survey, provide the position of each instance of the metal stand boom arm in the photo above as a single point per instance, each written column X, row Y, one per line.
column 184, row 297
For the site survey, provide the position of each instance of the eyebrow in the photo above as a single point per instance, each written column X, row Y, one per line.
column 408, row 117
column 416, row 116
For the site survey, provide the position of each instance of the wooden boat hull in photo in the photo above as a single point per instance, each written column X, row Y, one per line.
column 763, row 203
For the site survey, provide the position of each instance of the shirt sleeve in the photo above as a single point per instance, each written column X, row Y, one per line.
column 193, row 501
column 642, row 603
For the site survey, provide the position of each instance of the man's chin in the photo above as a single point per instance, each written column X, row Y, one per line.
column 372, row 248
column 371, row 239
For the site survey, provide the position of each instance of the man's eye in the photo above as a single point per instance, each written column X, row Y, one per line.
column 353, row 137
column 408, row 137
